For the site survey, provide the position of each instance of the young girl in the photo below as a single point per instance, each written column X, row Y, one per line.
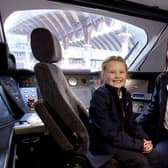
column 113, row 131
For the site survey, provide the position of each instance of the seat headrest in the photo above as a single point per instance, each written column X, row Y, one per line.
column 11, row 62
column 4, row 52
column 45, row 46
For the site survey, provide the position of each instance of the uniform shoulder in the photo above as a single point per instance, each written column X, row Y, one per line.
column 162, row 75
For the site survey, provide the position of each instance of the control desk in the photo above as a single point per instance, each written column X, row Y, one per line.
column 141, row 86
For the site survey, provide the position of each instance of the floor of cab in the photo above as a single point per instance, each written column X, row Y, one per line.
column 42, row 152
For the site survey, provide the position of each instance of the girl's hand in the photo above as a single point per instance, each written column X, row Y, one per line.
column 148, row 146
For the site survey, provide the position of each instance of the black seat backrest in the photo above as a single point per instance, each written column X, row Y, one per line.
column 7, row 60
column 60, row 109
column 4, row 51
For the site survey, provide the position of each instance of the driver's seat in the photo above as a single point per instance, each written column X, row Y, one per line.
column 61, row 111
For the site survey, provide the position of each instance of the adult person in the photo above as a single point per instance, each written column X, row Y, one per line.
column 112, row 128
column 156, row 114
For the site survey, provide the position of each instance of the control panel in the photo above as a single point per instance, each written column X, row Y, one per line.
column 139, row 107
column 140, row 101
column 140, row 93
column 141, row 96
column 83, row 86
column 21, row 99
column 30, row 96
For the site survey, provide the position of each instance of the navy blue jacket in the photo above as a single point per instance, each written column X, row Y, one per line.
column 112, row 125
column 155, row 111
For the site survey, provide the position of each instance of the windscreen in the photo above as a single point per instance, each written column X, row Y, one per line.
column 93, row 37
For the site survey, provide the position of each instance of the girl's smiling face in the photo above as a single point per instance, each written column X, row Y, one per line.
column 115, row 74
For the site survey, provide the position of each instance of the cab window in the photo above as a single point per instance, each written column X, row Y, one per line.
column 86, row 38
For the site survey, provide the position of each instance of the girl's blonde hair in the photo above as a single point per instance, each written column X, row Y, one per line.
column 113, row 58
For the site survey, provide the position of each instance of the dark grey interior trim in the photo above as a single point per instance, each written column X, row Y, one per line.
column 123, row 6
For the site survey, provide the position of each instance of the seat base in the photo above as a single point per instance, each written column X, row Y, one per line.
column 112, row 164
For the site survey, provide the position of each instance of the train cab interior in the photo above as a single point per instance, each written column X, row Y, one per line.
column 50, row 63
